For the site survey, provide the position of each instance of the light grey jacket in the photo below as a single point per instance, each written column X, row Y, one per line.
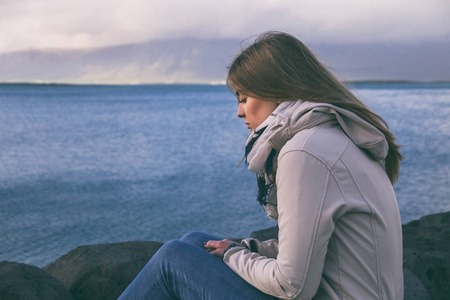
column 339, row 225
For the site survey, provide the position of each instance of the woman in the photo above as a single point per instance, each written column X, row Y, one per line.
column 325, row 166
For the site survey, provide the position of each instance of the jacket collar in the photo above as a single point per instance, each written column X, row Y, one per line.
column 292, row 116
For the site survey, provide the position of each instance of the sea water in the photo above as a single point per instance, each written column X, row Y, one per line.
column 99, row 164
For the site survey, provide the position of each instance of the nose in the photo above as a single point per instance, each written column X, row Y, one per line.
column 240, row 112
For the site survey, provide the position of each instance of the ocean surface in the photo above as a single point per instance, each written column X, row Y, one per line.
column 100, row 164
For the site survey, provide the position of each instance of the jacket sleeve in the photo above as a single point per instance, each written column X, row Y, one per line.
column 267, row 248
column 306, row 222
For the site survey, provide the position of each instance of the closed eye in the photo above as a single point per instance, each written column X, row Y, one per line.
column 243, row 100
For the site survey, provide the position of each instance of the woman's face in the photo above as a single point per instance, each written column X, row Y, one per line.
column 254, row 111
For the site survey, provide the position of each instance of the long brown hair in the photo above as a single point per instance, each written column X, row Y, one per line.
column 277, row 66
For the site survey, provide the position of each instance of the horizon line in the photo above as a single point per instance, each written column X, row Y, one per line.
column 368, row 81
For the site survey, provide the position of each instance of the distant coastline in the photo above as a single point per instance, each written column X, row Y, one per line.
column 346, row 82
column 381, row 81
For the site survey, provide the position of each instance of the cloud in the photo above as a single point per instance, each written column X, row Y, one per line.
column 94, row 23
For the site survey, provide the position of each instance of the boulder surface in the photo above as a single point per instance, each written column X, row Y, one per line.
column 102, row 272
column 25, row 282
column 426, row 252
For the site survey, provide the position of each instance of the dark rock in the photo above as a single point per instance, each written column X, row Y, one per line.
column 428, row 234
column 435, row 219
column 102, row 272
column 426, row 252
column 431, row 268
column 25, row 282
column 414, row 288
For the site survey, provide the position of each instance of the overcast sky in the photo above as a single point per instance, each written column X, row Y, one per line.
column 38, row 24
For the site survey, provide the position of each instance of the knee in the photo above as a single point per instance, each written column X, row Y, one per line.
column 170, row 253
column 160, row 262
column 159, row 273
column 193, row 235
column 171, row 247
column 198, row 238
column 174, row 255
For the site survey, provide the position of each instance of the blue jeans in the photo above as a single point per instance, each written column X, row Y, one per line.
column 182, row 269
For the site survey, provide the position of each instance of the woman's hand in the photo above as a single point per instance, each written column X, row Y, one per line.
column 217, row 248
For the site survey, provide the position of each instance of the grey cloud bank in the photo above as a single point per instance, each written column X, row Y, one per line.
column 148, row 41
column 79, row 24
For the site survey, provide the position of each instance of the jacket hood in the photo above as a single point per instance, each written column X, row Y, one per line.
column 292, row 116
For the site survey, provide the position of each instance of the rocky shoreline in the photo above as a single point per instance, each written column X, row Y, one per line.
column 102, row 272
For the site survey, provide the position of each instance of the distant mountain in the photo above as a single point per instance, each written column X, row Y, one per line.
column 389, row 61
column 205, row 61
